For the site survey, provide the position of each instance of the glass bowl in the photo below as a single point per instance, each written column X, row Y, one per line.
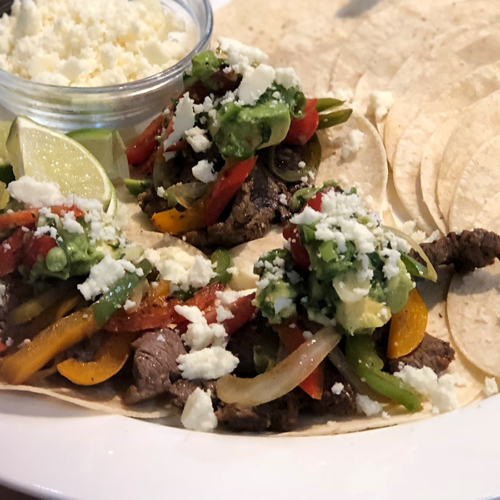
column 119, row 107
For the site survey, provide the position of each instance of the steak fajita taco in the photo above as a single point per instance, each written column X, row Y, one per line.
column 220, row 166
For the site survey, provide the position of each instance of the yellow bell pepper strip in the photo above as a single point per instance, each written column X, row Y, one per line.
column 407, row 327
column 175, row 222
column 54, row 313
column 35, row 306
column 109, row 360
column 58, row 337
column 361, row 355
column 104, row 308
column 70, row 330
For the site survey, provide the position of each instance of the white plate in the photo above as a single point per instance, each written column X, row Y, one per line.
column 54, row 450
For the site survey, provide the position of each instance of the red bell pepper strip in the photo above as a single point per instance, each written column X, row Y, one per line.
column 36, row 247
column 3, row 347
column 160, row 312
column 242, row 310
column 11, row 253
column 292, row 338
column 29, row 216
column 298, row 251
column 139, row 151
column 302, row 129
column 226, row 185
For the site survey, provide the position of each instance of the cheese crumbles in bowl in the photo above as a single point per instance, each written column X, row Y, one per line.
column 95, row 63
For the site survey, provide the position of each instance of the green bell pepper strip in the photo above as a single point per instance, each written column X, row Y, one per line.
column 327, row 120
column 327, row 103
column 136, row 187
column 311, row 154
column 414, row 267
column 360, row 354
column 104, row 308
column 221, row 262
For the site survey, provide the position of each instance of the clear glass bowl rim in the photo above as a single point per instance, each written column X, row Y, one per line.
column 16, row 82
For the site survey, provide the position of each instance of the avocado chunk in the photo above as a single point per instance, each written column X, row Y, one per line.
column 362, row 316
column 398, row 289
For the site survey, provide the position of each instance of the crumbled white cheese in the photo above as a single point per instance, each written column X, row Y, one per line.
column 184, row 120
column 241, row 56
column 24, row 342
column 35, row 194
column 368, row 406
column 161, row 192
column 287, row 77
column 70, row 224
column 49, row 230
column 391, row 268
column 440, row 391
column 254, row 83
column 223, row 314
column 198, row 413
column 3, row 291
column 307, row 216
column 302, row 164
column 490, row 387
column 208, row 364
column 129, row 304
column 160, row 338
column 9, row 342
column 197, row 139
column 103, row 275
column 204, row 171
column 281, row 303
column 199, row 333
column 227, row 297
column 337, row 388
column 283, row 200
column 380, row 104
column 352, row 143
column 89, row 44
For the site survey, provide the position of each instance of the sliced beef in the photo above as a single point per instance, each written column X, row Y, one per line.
column 339, row 405
column 467, row 251
column 277, row 416
column 16, row 292
column 256, row 206
column 151, row 203
column 432, row 352
column 155, row 366
column 182, row 389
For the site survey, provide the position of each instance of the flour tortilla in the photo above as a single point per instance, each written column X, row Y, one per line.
column 366, row 170
column 407, row 160
column 473, row 310
column 450, row 56
column 489, row 217
column 479, row 182
column 475, row 127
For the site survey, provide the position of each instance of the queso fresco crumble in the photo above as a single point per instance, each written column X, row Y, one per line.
column 91, row 43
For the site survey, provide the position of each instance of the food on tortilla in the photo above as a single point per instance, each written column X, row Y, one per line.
column 234, row 147
column 81, row 303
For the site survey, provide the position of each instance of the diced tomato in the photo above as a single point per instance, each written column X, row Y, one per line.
column 3, row 347
column 36, row 248
column 302, row 129
column 227, row 184
column 10, row 253
column 292, row 338
column 298, row 251
column 139, row 151
column 160, row 312
column 29, row 216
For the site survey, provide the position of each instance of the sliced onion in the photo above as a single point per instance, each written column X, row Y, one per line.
column 431, row 272
column 347, row 371
column 284, row 377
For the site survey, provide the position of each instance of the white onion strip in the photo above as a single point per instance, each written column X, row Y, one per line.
column 431, row 272
column 284, row 377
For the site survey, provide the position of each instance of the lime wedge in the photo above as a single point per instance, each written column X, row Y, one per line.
column 49, row 156
column 107, row 146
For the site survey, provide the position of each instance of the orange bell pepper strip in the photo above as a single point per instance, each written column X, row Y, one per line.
column 407, row 327
column 292, row 339
column 55, row 339
column 109, row 360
